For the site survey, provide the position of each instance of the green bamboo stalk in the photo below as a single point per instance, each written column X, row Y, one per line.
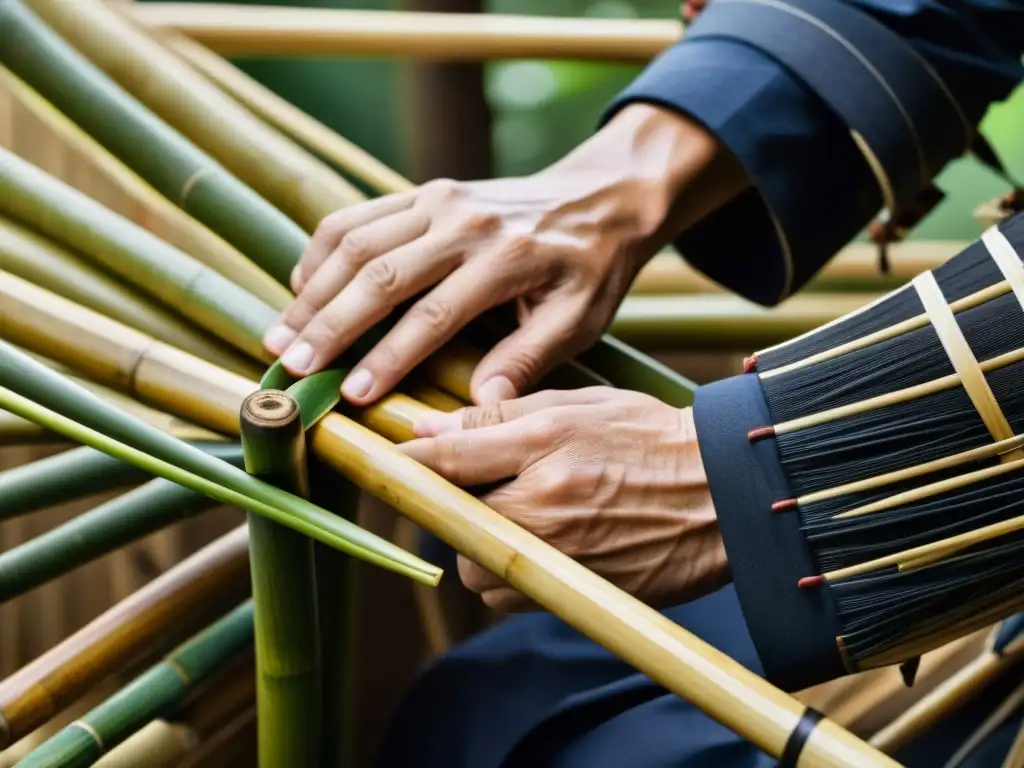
column 83, row 417
column 75, row 474
column 163, row 157
column 103, row 529
column 150, row 209
column 149, row 696
column 40, row 261
column 179, row 281
column 288, row 649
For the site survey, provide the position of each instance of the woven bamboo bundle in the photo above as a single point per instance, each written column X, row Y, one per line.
column 133, row 297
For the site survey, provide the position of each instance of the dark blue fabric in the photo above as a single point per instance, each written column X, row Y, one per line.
column 532, row 693
column 812, row 191
column 794, row 630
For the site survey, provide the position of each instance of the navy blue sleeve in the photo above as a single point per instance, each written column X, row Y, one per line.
column 812, row 188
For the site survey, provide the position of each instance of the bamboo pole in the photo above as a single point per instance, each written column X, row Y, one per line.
column 158, row 744
column 163, row 157
column 718, row 321
column 73, row 474
column 637, row 634
column 279, row 31
column 161, row 687
column 284, row 589
column 15, row 430
column 33, row 258
column 287, row 118
column 853, row 269
column 153, row 211
column 302, row 187
column 150, row 619
column 167, row 275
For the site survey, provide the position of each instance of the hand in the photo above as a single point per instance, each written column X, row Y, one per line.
column 611, row 478
column 564, row 245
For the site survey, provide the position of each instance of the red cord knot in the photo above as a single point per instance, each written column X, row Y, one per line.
column 760, row 432
column 809, row 582
column 750, row 364
column 783, row 505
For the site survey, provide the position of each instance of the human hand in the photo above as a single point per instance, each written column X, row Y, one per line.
column 612, row 478
column 564, row 245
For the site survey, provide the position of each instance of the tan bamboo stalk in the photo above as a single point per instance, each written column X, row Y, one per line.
column 152, row 211
column 41, row 261
column 14, row 430
column 718, row 321
column 147, row 621
column 287, row 118
column 291, row 179
column 636, row 633
column 238, row 29
column 955, row 692
column 854, row 268
column 159, row 744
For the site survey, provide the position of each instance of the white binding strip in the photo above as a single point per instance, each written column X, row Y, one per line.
column 1006, row 258
column 964, row 362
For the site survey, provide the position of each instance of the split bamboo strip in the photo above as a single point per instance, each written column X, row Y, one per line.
column 168, row 275
column 279, row 31
column 73, row 474
column 40, row 261
column 163, row 157
column 718, row 321
column 955, row 692
column 190, row 592
column 284, row 589
column 854, row 269
column 153, row 211
column 292, row 180
column 637, row 634
column 163, row 686
column 97, row 532
column 212, row 477
column 287, row 118
column 159, row 744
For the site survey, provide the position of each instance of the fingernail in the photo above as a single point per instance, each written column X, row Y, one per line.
column 279, row 338
column 494, row 390
column 358, row 384
column 294, row 278
column 437, row 423
column 299, row 357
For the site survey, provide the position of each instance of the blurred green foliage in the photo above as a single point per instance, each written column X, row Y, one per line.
column 542, row 109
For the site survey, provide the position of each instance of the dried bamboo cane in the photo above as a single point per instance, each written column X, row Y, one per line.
column 158, row 744
column 238, row 29
column 154, row 211
column 159, row 154
column 71, row 475
column 151, row 619
column 166, row 684
column 33, row 258
column 295, row 182
column 168, row 275
column 284, row 589
column 636, row 633
column 15, row 430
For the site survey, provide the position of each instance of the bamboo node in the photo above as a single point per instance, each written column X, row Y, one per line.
column 270, row 407
column 189, row 185
column 84, row 726
column 178, row 670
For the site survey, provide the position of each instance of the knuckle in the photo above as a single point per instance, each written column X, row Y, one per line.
column 518, row 248
column 472, row 575
column 381, row 276
column 480, row 223
column 476, row 417
column 355, row 247
column 439, row 191
column 435, row 313
column 327, row 230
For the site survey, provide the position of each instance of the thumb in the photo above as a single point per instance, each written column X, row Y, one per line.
column 545, row 339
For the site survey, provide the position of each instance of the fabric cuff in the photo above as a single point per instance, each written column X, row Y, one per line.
column 794, row 630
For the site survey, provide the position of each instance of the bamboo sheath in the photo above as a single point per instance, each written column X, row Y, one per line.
column 31, row 257
column 639, row 635
column 150, row 619
column 152, row 210
column 237, row 29
column 296, row 183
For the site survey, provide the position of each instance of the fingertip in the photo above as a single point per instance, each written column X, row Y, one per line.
column 279, row 338
column 358, row 386
column 298, row 358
